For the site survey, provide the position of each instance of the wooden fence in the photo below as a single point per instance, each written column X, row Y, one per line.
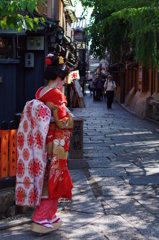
column 8, row 148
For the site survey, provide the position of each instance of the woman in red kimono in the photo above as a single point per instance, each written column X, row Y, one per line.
column 57, row 181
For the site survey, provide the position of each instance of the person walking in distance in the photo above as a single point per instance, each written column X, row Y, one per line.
column 94, row 81
column 99, row 87
column 110, row 89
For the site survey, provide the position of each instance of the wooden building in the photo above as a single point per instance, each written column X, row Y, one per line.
column 22, row 55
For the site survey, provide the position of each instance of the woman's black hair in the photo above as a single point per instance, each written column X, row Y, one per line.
column 55, row 67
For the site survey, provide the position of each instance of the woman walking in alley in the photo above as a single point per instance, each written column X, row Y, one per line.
column 110, row 89
column 55, row 182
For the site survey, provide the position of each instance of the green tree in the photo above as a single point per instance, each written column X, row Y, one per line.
column 18, row 14
column 117, row 24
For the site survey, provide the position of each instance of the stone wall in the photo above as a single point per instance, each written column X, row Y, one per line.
column 129, row 97
column 138, row 104
column 7, row 204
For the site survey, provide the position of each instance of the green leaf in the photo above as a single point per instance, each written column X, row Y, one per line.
column 42, row 20
column 30, row 22
column 31, row 6
column 36, row 20
column 22, row 5
column 3, row 25
column 1, row 5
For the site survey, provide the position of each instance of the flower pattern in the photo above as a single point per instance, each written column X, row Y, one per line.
column 38, row 140
column 31, row 168
column 27, row 182
column 33, row 122
column 42, row 113
column 20, row 196
column 31, row 153
column 26, row 154
column 20, row 140
column 30, row 140
column 29, row 112
column 31, row 197
column 25, row 126
column 37, row 167
column 20, row 168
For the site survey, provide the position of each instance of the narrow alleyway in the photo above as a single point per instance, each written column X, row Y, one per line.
column 116, row 184
column 122, row 153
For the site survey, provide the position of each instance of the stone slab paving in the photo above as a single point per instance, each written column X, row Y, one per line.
column 142, row 171
column 112, row 223
column 124, row 190
column 105, row 163
column 142, row 180
column 106, row 181
column 107, row 172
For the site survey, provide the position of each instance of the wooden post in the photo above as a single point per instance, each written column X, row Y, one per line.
column 12, row 149
column 76, row 139
column 17, row 117
column 4, row 149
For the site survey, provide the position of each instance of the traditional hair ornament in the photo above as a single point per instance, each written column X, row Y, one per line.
column 52, row 59
column 55, row 67
column 61, row 60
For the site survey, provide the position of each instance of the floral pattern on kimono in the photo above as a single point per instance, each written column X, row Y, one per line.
column 31, row 152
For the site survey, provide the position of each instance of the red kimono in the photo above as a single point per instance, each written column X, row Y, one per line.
column 57, row 180
column 57, row 145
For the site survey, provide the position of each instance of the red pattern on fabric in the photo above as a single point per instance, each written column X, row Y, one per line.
column 31, row 159
column 40, row 183
column 26, row 182
column 20, row 195
column 38, row 140
column 26, row 154
column 31, row 168
column 33, row 122
column 61, row 184
column 46, row 210
column 20, row 168
column 30, row 140
column 20, row 140
column 29, row 112
column 46, row 129
column 25, row 126
column 56, row 97
column 42, row 113
column 37, row 167
column 31, row 197
column 36, row 193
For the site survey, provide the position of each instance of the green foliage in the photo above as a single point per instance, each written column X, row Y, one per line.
column 11, row 14
column 116, row 24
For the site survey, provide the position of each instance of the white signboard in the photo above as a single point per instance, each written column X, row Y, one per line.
column 29, row 60
column 75, row 75
column 78, row 88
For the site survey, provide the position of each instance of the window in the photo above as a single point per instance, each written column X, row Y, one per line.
column 5, row 47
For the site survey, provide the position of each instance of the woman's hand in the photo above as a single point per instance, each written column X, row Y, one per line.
column 50, row 105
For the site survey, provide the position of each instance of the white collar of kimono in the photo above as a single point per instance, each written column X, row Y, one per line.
column 47, row 88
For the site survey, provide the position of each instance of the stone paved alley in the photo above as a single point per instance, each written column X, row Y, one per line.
column 116, row 184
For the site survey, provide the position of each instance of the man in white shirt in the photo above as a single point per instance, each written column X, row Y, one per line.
column 110, row 88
